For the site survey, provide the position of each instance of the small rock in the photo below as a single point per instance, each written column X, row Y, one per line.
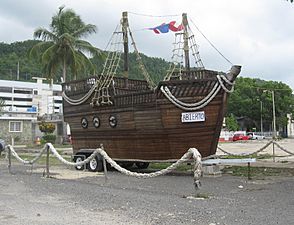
column 240, row 186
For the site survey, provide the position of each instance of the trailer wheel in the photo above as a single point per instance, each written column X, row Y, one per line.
column 79, row 159
column 126, row 165
column 142, row 165
column 95, row 165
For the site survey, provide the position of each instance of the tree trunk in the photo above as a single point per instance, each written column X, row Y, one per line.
column 64, row 70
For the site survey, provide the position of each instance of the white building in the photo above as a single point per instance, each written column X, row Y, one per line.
column 36, row 97
column 24, row 102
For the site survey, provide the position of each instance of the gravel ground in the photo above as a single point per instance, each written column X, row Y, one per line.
column 74, row 197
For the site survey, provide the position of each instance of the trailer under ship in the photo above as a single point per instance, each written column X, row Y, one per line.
column 138, row 121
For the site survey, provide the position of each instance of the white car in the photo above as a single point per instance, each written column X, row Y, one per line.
column 254, row 136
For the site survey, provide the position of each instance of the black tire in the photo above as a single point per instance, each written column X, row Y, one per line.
column 142, row 165
column 79, row 159
column 126, row 165
column 95, row 165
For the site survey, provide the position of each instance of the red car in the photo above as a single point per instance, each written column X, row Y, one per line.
column 240, row 137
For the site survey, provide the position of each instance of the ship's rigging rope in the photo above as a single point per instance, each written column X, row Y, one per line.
column 147, row 77
column 80, row 100
column 101, row 88
column 176, row 67
column 106, row 80
column 212, row 45
column 205, row 101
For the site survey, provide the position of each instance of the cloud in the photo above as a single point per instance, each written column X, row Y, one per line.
column 255, row 34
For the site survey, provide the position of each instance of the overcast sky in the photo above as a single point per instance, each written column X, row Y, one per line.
column 257, row 34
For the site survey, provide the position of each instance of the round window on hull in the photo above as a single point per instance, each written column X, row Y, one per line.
column 84, row 123
column 96, row 122
column 112, row 121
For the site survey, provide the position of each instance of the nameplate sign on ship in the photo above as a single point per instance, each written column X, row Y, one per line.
column 190, row 117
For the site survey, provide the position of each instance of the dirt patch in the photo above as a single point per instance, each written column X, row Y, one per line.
column 68, row 174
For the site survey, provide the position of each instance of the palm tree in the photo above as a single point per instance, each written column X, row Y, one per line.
column 61, row 46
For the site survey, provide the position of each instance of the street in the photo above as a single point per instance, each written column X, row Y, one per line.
column 77, row 197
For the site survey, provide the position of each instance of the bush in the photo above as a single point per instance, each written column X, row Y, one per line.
column 48, row 138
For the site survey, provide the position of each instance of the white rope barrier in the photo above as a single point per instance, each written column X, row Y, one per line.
column 191, row 153
column 30, row 162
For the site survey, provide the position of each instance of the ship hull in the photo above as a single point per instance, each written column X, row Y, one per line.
column 143, row 125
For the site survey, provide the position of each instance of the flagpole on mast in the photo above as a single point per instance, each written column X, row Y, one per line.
column 125, row 25
column 186, row 43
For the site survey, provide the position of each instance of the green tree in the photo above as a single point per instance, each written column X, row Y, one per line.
column 61, row 46
column 246, row 100
column 231, row 123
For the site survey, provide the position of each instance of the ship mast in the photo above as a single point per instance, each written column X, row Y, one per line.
column 186, row 43
column 125, row 25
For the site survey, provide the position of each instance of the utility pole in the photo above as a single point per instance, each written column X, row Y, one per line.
column 274, row 116
column 261, row 125
column 17, row 78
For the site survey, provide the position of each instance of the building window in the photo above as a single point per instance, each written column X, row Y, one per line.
column 15, row 126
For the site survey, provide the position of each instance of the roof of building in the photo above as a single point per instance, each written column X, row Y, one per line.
column 31, row 85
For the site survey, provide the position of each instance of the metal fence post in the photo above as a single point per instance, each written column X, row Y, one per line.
column 249, row 172
column 9, row 159
column 105, row 169
column 274, row 152
column 47, row 163
column 104, row 164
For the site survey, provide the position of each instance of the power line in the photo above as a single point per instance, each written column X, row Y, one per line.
column 148, row 15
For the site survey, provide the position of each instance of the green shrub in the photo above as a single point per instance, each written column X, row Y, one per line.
column 48, row 138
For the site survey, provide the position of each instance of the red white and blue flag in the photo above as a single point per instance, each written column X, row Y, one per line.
column 165, row 27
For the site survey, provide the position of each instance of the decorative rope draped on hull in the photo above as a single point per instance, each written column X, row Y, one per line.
column 138, row 120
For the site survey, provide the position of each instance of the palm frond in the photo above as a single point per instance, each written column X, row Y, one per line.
column 45, row 35
column 85, row 31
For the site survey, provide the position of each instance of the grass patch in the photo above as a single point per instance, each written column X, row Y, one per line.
column 258, row 171
column 202, row 195
column 198, row 195
column 260, row 156
column 42, row 161
column 35, row 146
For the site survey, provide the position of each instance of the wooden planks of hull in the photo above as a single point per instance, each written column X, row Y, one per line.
column 148, row 126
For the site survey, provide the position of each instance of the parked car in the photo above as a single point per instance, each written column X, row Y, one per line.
column 240, row 137
column 2, row 145
column 254, row 136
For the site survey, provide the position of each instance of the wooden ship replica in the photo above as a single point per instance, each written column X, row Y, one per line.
column 140, row 122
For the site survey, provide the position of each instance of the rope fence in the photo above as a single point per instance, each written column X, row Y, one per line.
column 48, row 147
column 192, row 153
column 272, row 142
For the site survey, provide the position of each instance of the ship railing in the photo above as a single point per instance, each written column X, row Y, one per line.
column 193, row 74
column 134, row 98
column 188, row 88
column 121, row 84
column 77, row 87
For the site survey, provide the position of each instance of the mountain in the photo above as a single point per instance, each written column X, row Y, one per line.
column 14, row 57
